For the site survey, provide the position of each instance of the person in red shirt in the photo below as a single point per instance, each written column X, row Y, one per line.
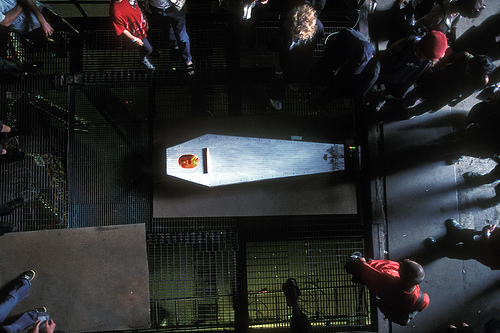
column 130, row 22
column 396, row 286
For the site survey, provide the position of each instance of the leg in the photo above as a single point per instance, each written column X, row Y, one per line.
column 146, row 49
column 299, row 323
column 460, row 243
column 23, row 322
column 19, row 292
column 178, row 21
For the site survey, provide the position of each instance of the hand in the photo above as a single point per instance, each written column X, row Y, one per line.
column 140, row 42
column 36, row 326
column 50, row 326
column 47, row 29
column 361, row 260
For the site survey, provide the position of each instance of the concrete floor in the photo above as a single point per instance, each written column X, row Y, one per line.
column 422, row 192
column 76, row 267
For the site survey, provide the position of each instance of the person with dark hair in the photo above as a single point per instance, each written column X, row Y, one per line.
column 396, row 285
column 405, row 60
column 445, row 14
column 299, row 33
column 465, row 244
column 349, row 67
column 450, row 84
column 299, row 323
column 130, row 22
column 170, row 17
column 39, row 317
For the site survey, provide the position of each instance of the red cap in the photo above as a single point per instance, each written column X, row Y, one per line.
column 433, row 45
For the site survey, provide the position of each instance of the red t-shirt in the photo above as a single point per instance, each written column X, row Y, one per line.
column 381, row 277
column 126, row 17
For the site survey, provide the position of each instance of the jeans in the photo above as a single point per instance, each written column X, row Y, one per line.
column 19, row 292
column 144, row 50
column 173, row 20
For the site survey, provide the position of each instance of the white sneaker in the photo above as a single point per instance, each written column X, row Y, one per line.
column 146, row 63
column 276, row 104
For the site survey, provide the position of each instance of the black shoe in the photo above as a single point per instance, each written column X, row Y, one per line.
column 452, row 226
column 291, row 291
column 430, row 243
column 16, row 203
column 12, row 156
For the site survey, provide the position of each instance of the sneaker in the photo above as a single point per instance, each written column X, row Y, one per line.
column 190, row 69
column 430, row 243
column 28, row 275
column 276, row 104
column 452, row 226
column 148, row 65
column 291, row 291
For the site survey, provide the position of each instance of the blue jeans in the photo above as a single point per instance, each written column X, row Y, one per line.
column 18, row 293
column 145, row 49
column 173, row 20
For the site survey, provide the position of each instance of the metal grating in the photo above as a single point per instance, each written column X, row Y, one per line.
column 314, row 254
column 40, row 177
column 107, row 159
column 193, row 274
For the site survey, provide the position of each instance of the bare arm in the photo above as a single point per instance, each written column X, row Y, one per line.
column 11, row 15
column 47, row 29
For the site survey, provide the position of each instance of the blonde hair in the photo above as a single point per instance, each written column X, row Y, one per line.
column 302, row 21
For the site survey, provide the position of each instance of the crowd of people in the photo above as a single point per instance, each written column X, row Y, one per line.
column 424, row 67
